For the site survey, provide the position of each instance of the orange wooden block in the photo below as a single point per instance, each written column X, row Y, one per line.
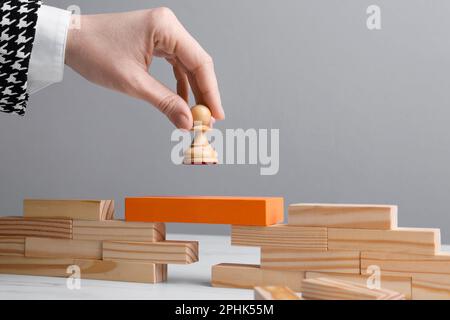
column 251, row 211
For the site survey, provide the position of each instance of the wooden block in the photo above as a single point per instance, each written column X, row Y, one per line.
column 35, row 266
column 354, row 216
column 404, row 240
column 12, row 246
column 275, row 293
column 117, row 230
column 122, row 271
column 248, row 276
column 74, row 209
column 35, row 227
column 304, row 260
column 401, row 284
column 62, row 248
column 406, row 264
column 431, row 287
column 214, row 210
column 330, row 289
column 165, row 252
column 311, row 238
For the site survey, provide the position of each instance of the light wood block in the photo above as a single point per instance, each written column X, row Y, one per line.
column 35, row 227
column 304, row 260
column 406, row 264
column 401, row 284
column 404, row 240
column 285, row 236
column 275, row 293
column 259, row 211
column 12, row 246
column 35, row 266
column 353, row 216
column 248, row 276
column 122, row 271
column 117, row 230
column 330, row 289
column 74, row 209
column 165, row 252
column 431, row 287
column 63, row 248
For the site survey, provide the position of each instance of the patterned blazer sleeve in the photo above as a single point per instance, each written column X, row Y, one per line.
column 18, row 28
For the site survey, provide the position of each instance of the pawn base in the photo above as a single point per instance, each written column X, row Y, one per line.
column 200, row 161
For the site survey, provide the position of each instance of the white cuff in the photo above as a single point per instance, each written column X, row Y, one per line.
column 47, row 58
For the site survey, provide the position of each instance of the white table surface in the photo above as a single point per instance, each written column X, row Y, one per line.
column 191, row 282
column 184, row 281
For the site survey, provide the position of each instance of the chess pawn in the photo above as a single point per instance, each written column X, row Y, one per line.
column 200, row 151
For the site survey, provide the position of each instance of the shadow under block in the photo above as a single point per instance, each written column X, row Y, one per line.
column 117, row 230
column 164, row 252
column 74, row 209
column 12, row 246
column 275, row 293
column 285, row 236
column 404, row 240
column 122, row 271
column 401, row 284
column 35, row 266
column 431, row 287
column 407, row 264
column 305, row 260
column 248, row 276
column 330, row 289
column 63, row 248
column 258, row 211
column 355, row 216
column 36, row 227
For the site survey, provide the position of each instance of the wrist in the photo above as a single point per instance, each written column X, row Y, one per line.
column 73, row 37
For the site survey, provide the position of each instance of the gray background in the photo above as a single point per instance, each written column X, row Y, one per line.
column 364, row 116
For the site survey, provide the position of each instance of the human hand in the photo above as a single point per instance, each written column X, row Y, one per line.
column 116, row 51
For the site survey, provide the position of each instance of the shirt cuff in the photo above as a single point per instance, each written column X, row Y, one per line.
column 47, row 58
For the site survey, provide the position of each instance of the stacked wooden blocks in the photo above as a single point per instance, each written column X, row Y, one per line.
column 342, row 243
column 55, row 234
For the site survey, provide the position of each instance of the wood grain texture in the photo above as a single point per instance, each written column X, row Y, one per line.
column 122, row 271
column 404, row 240
column 35, row 227
column 285, row 236
column 304, row 260
column 431, row 287
column 260, row 211
column 12, row 246
column 117, row 230
column 401, row 284
column 275, row 293
column 62, row 248
column 353, row 216
column 331, row 289
column 406, row 264
column 165, row 252
column 73, row 209
column 248, row 276
column 35, row 266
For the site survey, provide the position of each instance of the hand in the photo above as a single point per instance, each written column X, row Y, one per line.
column 116, row 50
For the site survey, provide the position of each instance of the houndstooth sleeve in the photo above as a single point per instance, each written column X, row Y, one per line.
column 18, row 28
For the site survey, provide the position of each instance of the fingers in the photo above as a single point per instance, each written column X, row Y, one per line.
column 182, row 80
column 168, row 102
column 201, row 68
column 182, row 84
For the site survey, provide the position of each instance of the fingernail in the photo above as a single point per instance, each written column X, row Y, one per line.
column 182, row 121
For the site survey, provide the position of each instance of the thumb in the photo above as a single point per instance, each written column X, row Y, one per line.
column 166, row 101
